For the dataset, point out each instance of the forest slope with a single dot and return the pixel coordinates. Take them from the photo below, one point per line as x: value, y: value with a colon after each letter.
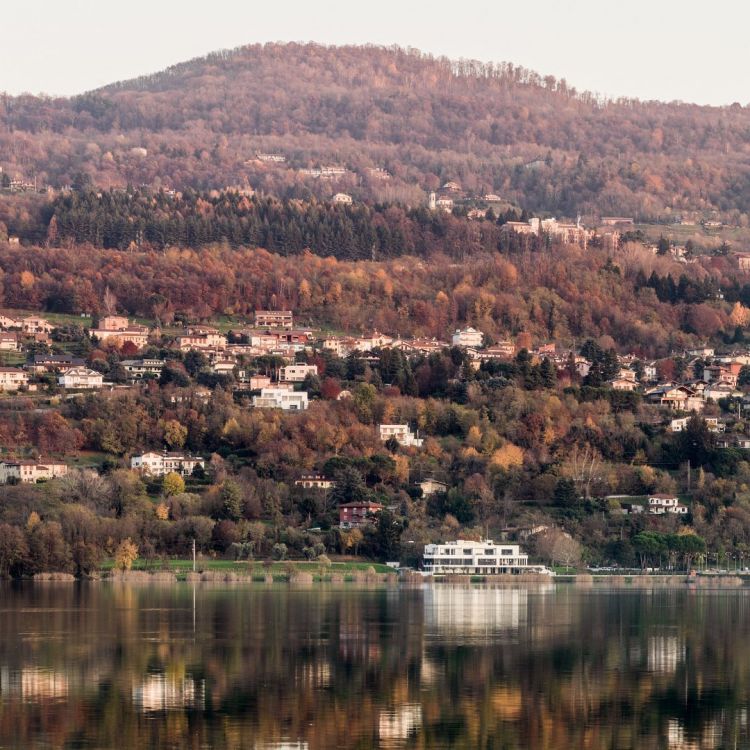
x: 494, y: 128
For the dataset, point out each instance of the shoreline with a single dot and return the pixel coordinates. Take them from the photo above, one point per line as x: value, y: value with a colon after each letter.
x: 305, y: 578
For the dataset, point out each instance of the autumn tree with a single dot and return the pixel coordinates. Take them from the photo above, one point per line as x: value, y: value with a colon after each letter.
x: 125, y: 555
x: 172, y: 484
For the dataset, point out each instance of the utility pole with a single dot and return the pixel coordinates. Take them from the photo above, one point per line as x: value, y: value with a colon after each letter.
x: 193, y: 555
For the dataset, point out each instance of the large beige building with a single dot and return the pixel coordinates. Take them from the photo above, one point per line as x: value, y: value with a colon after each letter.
x: 28, y: 472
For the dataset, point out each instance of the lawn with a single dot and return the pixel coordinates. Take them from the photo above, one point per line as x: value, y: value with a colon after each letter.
x: 253, y: 566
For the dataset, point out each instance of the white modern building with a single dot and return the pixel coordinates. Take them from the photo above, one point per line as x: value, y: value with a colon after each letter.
x: 482, y: 558
x: 281, y: 398
x: 660, y: 504
x: 468, y: 337
x: 401, y: 433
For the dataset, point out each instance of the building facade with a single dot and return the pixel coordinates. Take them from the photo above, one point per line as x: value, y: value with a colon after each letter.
x: 28, y: 472
x: 158, y: 464
x: 281, y: 398
x: 477, y: 558
x: 356, y: 514
x: 401, y: 433
x: 468, y: 337
x: 81, y: 377
x: 274, y: 319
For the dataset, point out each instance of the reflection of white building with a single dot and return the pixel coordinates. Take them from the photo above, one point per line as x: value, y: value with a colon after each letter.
x: 157, y: 692
x: 33, y: 682
x: 665, y: 652
x: 317, y: 674
x: 709, y: 738
x: 283, y: 745
x: 399, y: 724
x: 464, y: 610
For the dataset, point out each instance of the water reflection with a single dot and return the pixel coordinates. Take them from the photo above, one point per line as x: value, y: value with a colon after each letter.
x: 159, y: 692
x: 435, y: 667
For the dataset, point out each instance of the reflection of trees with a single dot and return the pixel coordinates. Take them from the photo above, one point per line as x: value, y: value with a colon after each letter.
x: 354, y: 668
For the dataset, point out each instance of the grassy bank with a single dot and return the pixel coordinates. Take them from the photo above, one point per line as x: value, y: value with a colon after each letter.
x: 252, y: 567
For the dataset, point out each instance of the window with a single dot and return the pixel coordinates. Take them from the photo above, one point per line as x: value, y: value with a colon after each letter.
x: 489, y: 552
x: 507, y: 551
x: 468, y: 551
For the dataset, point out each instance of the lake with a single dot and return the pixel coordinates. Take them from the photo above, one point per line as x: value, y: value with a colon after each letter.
x: 441, y: 666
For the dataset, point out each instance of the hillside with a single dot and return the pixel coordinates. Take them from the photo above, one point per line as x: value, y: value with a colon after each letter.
x: 492, y: 128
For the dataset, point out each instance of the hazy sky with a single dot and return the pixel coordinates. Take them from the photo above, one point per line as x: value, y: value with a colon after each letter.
x: 653, y: 49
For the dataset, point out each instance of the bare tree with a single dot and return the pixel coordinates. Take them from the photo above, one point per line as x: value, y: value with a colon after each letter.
x: 110, y: 302
x: 584, y: 465
x: 557, y: 546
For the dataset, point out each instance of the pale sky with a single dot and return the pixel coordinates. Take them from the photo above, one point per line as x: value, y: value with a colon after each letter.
x: 652, y: 49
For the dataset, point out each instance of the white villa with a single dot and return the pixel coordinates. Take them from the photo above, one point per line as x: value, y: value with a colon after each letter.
x: 658, y: 505
x: 471, y: 558
x: 468, y: 337
x: 80, y: 377
x: 281, y: 398
x: 158, y: 464
x: 401, y: 433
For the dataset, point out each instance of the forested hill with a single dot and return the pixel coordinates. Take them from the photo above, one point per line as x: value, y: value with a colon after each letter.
x: 493, y: 128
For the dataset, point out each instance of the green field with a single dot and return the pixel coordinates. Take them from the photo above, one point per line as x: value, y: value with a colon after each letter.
x: 251, y: 566
x: 737, y: 237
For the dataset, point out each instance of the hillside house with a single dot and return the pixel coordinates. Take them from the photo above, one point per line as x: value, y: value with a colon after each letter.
x: 116, y: 329
x: 9, y: 342
x: 80, y: 378
x: 114, y: 323
x: 296, y: 373
x: 281, y: 398
x: 356, y: 514
x: 716, y: 391
x: 29, y: 472
x: 660, y: 504
x: 432, y: 487
x: 53, y: 363
x: 200, y: 339
x: 33, y: 324
x: 12, y: 378
x: 257, y: 382
x: 468, y: 337
x: 622, y: 384
x: 274, y: 319
x: 680, y: 424
x: 401, y: 433
x: 677, y: 398
x: 315, y: 481
x: 342, y: 199
x: 157, y: 464
x: 137, y: 369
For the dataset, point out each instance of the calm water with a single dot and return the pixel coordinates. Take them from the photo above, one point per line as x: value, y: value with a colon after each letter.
x: 108, y: 666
